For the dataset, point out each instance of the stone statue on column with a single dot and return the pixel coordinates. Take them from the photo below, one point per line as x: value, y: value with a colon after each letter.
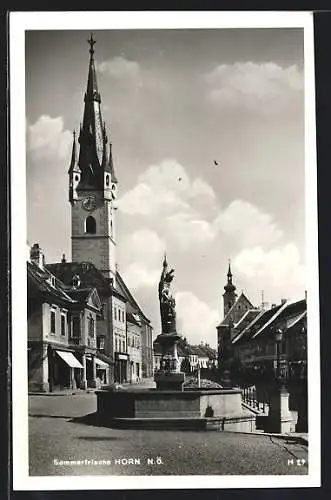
x: 170, y: 376
x: 167, y: 302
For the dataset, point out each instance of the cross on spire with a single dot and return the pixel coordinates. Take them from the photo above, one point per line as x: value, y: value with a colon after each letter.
x: 91, y: 41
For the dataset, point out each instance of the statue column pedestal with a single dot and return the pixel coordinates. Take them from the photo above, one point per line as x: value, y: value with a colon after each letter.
x: 169, y: 377
x: 169, y: 381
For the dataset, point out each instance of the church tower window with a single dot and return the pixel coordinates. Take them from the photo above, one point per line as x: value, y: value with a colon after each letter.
x: 90, y: 225
x: 107, y: 180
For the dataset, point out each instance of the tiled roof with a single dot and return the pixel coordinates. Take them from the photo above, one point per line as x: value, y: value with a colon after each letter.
x: 283, y: 313
x: 205, y: 351
x: 257, y: 323
x: 278, y: 314
x: 132, y: 319
x: 246, y: 319
x: 82, y: 295
x: 293, y: 321
x: 41, y: 279
x: 89, y: 275
x: 123, y: 289
x: 225, y: 320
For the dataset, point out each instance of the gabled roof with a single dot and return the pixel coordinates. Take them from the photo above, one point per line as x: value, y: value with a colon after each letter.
x: 226, y: 318
x: 256, y: 323
x: 123, y: 289
x: 90, y: 277
x: 205, y: 351
x: 42, y: 280
x: 246, y: 319
x: 285, y: 311
x: 131, y: 318
x: 86, y: 296
x: 293, y: 321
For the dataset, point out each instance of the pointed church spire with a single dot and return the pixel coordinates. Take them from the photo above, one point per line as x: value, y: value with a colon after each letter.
x: 93, y: 137
x: 73, y: 163
x: 110, y: 165
x: 92, y: 86
x: 229, y: 287
x: 229, y: 271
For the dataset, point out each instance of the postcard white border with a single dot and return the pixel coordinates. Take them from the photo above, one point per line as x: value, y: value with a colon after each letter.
x: 19, y: 23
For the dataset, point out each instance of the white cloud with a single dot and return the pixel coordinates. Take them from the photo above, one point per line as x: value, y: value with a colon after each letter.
x: 196, y: 320
x: 253, y: 86
x: 279, y: 268
x: 186, y: 230
x: 164, y: 188
x: 138, y: 276
x: 47, y: 137
x: 119, y: 67
x: 248, y: 225
x: 142, y: 254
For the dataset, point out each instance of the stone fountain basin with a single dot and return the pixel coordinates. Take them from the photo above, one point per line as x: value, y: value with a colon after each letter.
x: 168, y: 409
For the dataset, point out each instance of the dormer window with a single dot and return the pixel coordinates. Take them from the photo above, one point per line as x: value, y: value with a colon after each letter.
x: 76, y: 178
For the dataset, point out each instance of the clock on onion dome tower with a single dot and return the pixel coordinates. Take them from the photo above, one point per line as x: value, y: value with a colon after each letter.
x: 93, y: 185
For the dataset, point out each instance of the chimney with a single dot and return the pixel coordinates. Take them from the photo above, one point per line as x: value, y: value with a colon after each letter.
x: 306, y: 295
x: 273, y: 305
x: 282, y: 301
x: 63, y: 261
x: 37, y: 256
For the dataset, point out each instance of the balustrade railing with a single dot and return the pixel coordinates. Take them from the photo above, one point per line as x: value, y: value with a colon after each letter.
x: 249, y: 396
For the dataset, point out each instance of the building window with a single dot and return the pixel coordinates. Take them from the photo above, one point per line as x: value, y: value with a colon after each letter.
x: 63, y: 324
x: 76, y: 178
x: 107, y: 180
x: 101, y: 343
x: 76, y: 327
x: 91, y: 327
x: 52, y: 321
x: 90, y: 225
x: 103, y: 311
x: 115, y: 313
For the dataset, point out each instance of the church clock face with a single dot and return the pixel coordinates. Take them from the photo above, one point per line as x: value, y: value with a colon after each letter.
x: 89, y: 203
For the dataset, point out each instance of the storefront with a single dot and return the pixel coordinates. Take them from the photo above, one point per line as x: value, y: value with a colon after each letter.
x: 65, y: 370
x: 121, y: 367
x: 102, y: 371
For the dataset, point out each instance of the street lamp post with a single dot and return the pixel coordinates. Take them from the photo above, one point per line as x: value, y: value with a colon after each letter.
x: 278, y: 341
x: 280, y: 419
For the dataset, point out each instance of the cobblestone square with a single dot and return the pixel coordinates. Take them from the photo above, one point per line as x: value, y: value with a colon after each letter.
x: 61, y: 446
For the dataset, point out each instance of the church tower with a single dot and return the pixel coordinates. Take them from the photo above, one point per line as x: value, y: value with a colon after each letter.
x: 229, y: 296
x: 93, y: 185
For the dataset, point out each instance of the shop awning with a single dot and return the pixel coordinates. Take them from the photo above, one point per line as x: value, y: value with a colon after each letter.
x: 101, y: 363
x: 70, y: 359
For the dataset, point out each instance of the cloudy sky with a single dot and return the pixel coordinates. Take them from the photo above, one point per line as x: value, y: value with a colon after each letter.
x: 174, y: 101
